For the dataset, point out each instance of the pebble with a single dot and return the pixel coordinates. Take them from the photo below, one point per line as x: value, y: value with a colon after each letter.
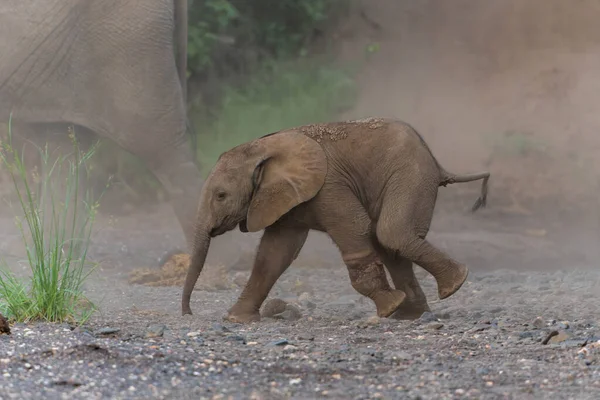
x: 107, y: 331
x: 434, y: 326
x: 281, y: 342
x: 427, y: 316
x: 155, y: 331
x: 538, y: 322
x: 273, y: 307
x: 373, y: 320
x: 291, y: 313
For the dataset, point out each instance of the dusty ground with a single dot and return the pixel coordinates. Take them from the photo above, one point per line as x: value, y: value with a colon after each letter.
x: 520, y: 104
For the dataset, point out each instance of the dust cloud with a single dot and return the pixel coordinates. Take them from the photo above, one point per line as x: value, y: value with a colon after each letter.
x: 508, y: 86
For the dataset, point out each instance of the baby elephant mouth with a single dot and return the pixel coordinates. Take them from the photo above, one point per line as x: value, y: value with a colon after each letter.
x: 243, y: 226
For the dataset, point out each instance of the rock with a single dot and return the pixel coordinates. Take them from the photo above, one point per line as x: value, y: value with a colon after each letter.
x: 281, y: 342
x: 154, y: 331
x: 373, y: 320
x: 434, y: 326
x: 106, y: 331
x: 220, y: 328
x: 236, y: 339
x: 4, y: 327
x: 428, y: 317
x: 291, y: 313
x: 556, y: 337
x: 538, y: 322
x: 402, y: 356
x: 273, y: 307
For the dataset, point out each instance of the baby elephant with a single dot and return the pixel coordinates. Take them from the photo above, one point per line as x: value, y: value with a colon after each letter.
x: 370, y: 184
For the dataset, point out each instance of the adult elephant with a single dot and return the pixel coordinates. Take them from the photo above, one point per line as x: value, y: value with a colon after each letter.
x: 114, y: 67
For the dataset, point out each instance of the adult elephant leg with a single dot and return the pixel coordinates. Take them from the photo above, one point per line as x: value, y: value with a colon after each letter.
x: 181, y: 179
x: 403, y: 275
x: 278, y: 247
x: 403, y: 227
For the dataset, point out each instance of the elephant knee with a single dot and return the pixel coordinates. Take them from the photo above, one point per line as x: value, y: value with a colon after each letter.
x: 367, y: 274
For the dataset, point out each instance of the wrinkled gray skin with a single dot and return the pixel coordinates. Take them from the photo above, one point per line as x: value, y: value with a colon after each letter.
x: 108, y: 66
x: 371, y: 185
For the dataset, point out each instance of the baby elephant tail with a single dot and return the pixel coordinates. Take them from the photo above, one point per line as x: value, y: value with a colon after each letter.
x: 448, y: 179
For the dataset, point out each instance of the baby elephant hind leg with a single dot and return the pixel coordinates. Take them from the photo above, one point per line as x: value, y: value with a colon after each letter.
x: 403, y: 275
x: 352, y: 236
x: 402, y: 229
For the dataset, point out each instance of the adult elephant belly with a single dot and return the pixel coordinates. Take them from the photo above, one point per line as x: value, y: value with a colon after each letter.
x: 108, y: 66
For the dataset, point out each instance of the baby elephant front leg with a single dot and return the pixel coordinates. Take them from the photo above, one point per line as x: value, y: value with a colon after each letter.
x: 367, y: 276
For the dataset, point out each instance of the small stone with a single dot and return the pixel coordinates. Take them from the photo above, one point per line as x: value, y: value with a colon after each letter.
x: 155, y: 331
x: 295, y: 381
x: 556, y: 337
x: 107, y: 331
x: 220, y: 328
x: 373, y: 320
x: 538, y: 322
x: 237, y: 339
x: 459, y: 392
x: 402, y: 356
x: 193, y: 334
x: 273, y: 307
x: 433, y: 326
x: 281, y: 342
x: 427, y: 317
x: 291, y: 313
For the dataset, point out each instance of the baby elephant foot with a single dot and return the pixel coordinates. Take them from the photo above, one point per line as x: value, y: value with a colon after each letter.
x: 241, y: 315
x: 368, y: 278
x: 452, y: 281
x: 388, y: 301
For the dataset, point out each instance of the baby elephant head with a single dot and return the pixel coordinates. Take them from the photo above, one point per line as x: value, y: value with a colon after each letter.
x: 253, y: 185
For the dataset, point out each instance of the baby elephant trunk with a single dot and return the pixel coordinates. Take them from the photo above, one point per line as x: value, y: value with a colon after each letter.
x: 448, y: 179
x: 201, y: 246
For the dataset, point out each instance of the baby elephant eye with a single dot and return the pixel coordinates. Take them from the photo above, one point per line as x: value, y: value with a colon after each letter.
x: 221, y: 195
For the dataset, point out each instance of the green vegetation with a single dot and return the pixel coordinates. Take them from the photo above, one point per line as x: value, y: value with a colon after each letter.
x: 227, y: 36
x: 279, y: 96
x: 56, y: 238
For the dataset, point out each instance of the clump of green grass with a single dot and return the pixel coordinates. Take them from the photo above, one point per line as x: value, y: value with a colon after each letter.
x: 281, y: 95
x: 56, y: 233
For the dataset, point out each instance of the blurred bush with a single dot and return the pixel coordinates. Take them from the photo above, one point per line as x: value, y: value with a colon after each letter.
x: 233, y: 37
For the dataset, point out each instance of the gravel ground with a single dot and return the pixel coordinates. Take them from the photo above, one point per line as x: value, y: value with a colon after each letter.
x: 508, y: 333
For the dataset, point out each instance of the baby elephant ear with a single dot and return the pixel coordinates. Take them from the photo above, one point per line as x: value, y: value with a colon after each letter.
x: 291, y: 170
